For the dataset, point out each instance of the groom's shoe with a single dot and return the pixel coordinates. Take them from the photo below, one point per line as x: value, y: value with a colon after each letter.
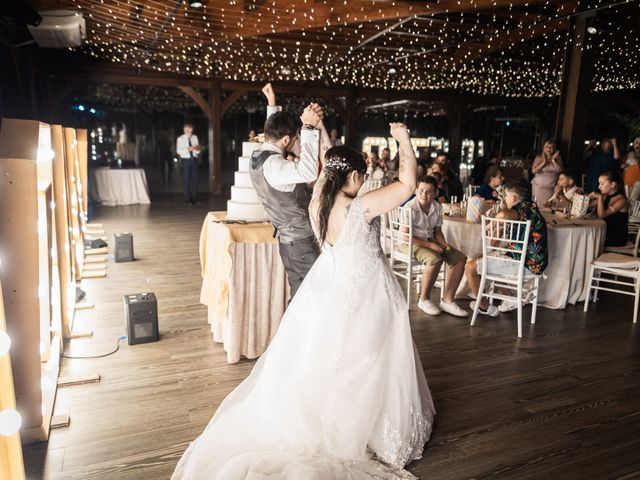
x: 428, y: 307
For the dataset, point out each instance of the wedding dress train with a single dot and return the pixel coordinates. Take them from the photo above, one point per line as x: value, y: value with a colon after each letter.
x: 340, y: 393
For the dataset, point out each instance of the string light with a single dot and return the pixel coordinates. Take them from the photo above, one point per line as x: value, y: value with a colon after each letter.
x: 10, y: 422
x: 511, y: 49
x: 5, y: 343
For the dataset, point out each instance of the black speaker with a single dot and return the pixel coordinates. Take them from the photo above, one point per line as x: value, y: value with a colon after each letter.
x: 141, y: 316
x: 123, y: 247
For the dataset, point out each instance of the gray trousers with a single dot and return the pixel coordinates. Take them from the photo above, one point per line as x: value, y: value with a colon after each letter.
x: 298, y: 258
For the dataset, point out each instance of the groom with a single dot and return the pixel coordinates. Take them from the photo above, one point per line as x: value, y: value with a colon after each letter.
x: 281, y: 184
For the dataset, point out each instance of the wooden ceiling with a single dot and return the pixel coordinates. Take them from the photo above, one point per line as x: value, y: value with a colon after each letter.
x: 482, y: 46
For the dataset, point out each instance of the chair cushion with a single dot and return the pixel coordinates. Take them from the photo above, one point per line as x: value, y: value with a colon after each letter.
x: 617, y: 260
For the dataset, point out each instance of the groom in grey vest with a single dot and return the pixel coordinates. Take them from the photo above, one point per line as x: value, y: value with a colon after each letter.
x: 281, y: 184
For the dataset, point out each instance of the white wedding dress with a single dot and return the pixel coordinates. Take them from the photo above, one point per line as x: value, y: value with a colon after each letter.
x: 340, y: 393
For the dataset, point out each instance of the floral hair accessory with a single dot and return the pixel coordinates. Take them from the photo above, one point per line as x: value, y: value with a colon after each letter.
x: 337, y: 164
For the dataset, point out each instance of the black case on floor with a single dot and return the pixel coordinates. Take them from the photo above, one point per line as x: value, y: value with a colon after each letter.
x: 123, y: 247
x: 141, y: 316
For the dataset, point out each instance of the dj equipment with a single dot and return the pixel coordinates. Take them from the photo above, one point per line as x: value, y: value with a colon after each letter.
x: 141, y: 316
x: 124, y: 247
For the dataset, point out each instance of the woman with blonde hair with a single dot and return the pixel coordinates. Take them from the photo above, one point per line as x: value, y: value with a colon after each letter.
x: 546, y: 168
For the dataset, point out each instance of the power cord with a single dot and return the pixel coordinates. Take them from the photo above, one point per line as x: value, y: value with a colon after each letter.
x: 121, y: 337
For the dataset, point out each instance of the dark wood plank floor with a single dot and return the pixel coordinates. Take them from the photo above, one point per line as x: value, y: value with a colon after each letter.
x: 562, y: 403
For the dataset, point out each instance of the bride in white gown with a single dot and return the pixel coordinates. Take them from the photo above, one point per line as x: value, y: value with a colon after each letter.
x: 340, y: 393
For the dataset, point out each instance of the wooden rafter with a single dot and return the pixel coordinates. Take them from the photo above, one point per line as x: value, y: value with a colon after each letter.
x: 196, y: 97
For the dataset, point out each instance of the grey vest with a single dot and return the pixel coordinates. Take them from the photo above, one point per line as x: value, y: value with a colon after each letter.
x: 288, y: 211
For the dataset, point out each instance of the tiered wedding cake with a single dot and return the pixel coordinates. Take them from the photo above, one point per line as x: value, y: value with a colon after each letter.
x: 244, y: 203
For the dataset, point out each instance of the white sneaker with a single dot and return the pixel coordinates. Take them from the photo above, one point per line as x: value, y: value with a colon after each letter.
x: 492, y: 311
x: 453, y: 309
x: 507, y: 306
x: 429, y: 307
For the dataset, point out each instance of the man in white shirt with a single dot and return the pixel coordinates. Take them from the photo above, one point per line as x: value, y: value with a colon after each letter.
x: 188, y: 150
x: 431, y: 249
x: 281, y: 184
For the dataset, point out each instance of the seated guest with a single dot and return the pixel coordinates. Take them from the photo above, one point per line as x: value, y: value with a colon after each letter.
x: 454, y: 185
x: 565, y: 189
x: 374, y: 170
x: 492, y: 180
x: 441, y: 194
x: 631, y: 179
x: 613, y: 207
x: 431, y: 249
x: 536, y: 256
x: 391, y: 171
x: 633, y: 157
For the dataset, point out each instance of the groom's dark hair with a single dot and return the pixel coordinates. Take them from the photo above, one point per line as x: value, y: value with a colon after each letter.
x: 279, y: 125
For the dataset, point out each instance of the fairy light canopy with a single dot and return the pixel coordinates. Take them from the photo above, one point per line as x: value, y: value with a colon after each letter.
x: 487, y: 47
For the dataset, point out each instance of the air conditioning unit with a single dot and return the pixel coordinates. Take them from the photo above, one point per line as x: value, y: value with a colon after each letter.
x: 59, y: 29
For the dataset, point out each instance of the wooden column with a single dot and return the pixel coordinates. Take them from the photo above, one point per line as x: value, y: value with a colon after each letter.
x: 351, y: 118
x: 577, y: 74
x: 215, y: 132
x: 455, y: 115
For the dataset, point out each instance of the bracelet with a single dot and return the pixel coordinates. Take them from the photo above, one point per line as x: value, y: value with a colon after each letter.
x: 307, y: 126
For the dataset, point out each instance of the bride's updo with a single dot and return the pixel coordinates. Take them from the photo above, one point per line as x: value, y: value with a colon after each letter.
x: 339, y: 162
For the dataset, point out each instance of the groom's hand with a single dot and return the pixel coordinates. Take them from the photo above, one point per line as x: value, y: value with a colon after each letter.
x: 270, y: 94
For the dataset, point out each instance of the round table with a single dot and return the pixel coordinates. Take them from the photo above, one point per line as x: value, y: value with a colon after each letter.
x: 573, y: 244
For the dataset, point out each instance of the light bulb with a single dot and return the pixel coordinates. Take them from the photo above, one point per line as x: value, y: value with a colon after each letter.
x: 10, y: 422
x: 45, y: 155
x: 5, y: 342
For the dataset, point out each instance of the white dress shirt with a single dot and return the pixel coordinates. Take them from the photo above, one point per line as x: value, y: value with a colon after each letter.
x: 424, y: 224
x: 283, y: 174
x: 182, y: 146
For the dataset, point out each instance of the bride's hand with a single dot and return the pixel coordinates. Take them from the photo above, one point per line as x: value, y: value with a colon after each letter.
x: 399, y: 131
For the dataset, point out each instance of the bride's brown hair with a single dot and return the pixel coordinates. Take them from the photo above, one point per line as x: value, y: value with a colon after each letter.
x: 339, y: 162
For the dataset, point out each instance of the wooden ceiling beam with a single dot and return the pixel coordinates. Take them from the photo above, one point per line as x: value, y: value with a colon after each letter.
x: 196, y: 97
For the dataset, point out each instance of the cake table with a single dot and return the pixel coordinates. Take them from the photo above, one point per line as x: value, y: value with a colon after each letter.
x: 244, y: 284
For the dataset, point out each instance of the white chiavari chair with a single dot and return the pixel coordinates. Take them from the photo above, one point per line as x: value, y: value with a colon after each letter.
x: 616, y: 265
x: 507, y: 241
x: 401, y: 254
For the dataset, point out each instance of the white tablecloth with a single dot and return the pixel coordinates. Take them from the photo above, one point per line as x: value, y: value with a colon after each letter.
x: 573, y: 244
x: 119, y: 186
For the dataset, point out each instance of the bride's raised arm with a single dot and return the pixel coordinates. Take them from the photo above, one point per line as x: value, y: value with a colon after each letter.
x: 385, y: 199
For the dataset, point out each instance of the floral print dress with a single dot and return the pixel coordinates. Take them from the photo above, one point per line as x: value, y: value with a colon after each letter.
x: 537, y: 255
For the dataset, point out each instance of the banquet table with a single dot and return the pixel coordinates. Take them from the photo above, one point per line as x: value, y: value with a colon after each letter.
x: 573, y: 244
x: 244, y: 284
x: 119, y: 186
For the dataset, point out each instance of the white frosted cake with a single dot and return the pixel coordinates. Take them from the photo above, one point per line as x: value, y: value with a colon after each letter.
x: 244, y: 203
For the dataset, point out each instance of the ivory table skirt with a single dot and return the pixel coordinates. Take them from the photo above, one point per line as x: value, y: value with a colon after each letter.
x: 573, y: 244
x: 119, y: 186
x: 244, y: 285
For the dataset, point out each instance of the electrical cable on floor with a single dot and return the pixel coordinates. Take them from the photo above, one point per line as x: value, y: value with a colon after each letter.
x: 121, y: 337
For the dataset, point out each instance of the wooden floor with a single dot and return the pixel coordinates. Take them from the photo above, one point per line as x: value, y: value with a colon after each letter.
x: 562, y: 403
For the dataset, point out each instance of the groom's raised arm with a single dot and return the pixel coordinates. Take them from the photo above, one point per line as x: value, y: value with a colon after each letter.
x: 272, y: 107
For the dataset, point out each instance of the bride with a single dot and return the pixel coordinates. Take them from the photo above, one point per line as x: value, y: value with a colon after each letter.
x: 340, y: 393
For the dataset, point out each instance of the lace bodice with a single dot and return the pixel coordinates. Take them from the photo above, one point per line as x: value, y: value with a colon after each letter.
x: 359, y: 241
